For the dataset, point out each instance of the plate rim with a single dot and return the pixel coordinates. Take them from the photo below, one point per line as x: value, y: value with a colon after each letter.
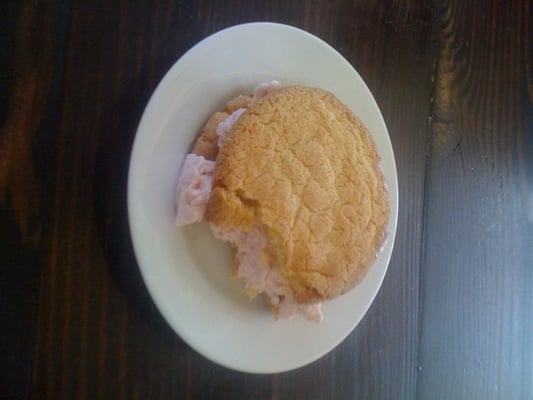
x: 169, y: 75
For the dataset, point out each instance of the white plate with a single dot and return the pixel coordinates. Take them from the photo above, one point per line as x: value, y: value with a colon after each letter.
x: 186, y: 270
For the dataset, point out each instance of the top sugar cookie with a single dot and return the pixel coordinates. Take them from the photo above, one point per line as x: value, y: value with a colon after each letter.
x: 302, y: 167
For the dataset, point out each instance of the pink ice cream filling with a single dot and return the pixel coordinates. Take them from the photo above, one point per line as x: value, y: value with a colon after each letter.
x: 192, y: 194
x: 225, y: 126
x: 265, y: 88
x: 256, y: 270
x: 193, y: 189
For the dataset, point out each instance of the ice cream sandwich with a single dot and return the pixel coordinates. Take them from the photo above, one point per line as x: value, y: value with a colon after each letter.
x: 291, y: 178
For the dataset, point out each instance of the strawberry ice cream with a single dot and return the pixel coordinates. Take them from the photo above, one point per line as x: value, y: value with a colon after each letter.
x: 265, y: 88
x: 255, y: 268
x: 260, y: 277
x: 193, y: 189
x: 225, y: 126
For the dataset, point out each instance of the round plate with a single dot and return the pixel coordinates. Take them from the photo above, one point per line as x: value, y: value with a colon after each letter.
x: 189, y: 273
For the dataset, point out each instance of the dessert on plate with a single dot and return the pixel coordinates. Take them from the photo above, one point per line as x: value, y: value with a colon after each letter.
x: 291, y: 178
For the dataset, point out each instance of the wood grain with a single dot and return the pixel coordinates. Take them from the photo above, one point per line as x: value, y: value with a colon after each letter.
x: 476, y: 331
x: 99, y: 335
x: 30, y: 69
x: 455, y: 85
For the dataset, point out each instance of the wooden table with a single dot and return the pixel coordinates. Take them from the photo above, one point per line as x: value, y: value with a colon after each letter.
x: 454, y: 82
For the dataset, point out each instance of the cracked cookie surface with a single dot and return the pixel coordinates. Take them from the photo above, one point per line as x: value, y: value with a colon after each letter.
x: 302, y: 166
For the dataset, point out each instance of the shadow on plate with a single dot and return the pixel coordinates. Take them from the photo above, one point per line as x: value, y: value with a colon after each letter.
x: 119, y: 125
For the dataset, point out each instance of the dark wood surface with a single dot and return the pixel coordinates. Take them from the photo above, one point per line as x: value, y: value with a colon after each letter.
x: 455, y: 85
